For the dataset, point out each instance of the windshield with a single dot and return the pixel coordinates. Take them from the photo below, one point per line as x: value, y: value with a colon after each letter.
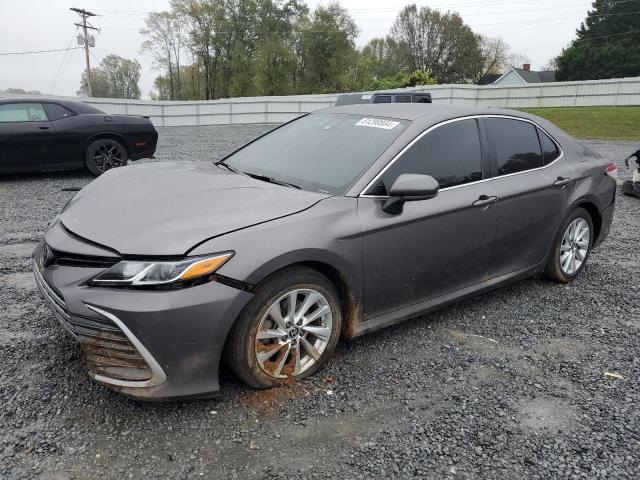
x: 322, y: 152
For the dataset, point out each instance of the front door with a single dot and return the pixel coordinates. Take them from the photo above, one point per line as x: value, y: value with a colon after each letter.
x: 433, y: 246
x: 26, y: 137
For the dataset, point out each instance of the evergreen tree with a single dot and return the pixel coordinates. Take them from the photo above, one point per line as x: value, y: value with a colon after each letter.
x: 607, y: 45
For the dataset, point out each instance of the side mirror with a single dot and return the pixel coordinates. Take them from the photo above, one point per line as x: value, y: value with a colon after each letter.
x: 409, y: 187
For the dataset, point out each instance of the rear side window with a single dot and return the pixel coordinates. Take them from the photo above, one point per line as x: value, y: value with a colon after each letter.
x: 22, y: 112
x: 382, y: 99
x: 451, y: 154
x: 56, y: 112
x: 550, y: 150
x: 421, y: 99
x: 514, y: 144
x: 403, y: 99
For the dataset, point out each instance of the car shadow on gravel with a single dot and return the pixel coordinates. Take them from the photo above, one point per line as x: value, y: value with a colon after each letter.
x: 56, y: 175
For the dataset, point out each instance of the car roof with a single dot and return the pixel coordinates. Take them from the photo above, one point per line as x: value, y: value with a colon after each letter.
x: 423, y: 113
x: 76, y: 106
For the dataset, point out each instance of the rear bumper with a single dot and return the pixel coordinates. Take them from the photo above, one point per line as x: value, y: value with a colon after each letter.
x: 144, y: 343
x: 146, y: 148
x: 148, y: 153
x: 607, y: 219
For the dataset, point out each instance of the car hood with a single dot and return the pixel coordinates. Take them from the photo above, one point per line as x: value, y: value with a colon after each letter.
x: 168, y: 208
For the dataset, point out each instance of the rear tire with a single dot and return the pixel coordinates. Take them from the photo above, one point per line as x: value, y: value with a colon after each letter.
x: 268, y: 346
x: 105, y: 154
x: 571, y: 247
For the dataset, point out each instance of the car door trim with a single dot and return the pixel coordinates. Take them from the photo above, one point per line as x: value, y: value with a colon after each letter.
x: 446, y: 122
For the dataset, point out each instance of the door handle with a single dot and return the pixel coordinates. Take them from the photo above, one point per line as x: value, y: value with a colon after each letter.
x: 44, y: 127
x: 561, y: 182
x: 484, y: 200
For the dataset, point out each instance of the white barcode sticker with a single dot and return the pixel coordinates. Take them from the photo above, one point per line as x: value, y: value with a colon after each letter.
x: 366, y: 96
x: 377, y: 123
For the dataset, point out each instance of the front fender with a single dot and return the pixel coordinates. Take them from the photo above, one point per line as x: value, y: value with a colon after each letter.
x: 329, y: 233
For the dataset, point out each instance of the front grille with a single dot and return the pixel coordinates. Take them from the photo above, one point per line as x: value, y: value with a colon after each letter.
x: 108, y: 351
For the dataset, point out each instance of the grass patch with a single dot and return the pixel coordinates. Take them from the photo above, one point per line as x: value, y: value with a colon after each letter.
x: 606, y: 123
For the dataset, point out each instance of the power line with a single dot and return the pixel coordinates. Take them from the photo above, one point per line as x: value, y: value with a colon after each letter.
x: 40, y: 51
x: 586, y: 39
x: 64, y: 68
x: 54, y: 82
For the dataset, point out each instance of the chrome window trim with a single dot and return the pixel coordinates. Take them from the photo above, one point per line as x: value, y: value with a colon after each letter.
x: 446, y: 122
x: 158, y: 374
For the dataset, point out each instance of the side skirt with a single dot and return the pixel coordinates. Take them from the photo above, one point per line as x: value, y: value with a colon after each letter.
x: 456, y: 296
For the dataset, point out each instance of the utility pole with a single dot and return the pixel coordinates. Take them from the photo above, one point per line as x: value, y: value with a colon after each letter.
x: 84, y: 14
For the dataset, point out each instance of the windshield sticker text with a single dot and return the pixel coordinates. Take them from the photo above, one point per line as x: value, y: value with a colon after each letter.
x: 377, y: 123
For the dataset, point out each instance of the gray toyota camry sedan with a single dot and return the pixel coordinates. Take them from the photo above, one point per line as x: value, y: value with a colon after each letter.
x: 340, y: 222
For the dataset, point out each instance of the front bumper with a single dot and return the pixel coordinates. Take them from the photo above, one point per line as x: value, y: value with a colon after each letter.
x: 148, y: 344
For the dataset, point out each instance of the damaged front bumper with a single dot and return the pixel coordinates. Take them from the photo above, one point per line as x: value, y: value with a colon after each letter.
x: 148, y: 344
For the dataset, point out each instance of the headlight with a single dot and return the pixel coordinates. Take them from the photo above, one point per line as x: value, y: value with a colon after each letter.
x: 138, y: 273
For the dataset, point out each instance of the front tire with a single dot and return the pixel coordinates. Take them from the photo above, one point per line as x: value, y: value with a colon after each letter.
x: 289, y: 330
x: 105, y: 154
x: 571, y: 247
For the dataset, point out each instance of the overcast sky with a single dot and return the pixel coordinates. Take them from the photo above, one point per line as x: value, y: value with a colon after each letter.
x: 539, y: 29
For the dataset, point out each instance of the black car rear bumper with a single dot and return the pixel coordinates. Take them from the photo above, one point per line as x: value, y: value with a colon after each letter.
x: 146, y: 344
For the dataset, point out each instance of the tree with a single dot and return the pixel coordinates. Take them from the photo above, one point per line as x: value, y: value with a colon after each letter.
x: 429, y: 40
x: 361, y: 76
x: 385, y: 56
x: 328, y: 48
x: 116, y: 77
x: 550, y: 66
x: 276, y: 47
x: 22, y: 91
x: 607, y: 43
x: 166, y: 36
x: 495, y: 54
x: 516, y: 60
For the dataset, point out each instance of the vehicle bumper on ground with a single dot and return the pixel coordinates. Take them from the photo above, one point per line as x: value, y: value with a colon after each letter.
x: 148, y: 344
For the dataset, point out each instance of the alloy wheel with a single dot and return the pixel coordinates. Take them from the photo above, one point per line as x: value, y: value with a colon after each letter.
x: 293, y: 333
x: 574, y: 246
x: 108, y: 155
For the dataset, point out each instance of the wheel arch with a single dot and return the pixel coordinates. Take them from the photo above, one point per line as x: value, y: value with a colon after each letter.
x: 347, y: 288
x: 107, y: 135
x: 594, y: 212
x: 350, y: 306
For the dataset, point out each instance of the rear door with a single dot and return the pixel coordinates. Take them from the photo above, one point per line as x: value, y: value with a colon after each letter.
x: 535, y: 185
x: 437, y: 245
x: 26, y: 137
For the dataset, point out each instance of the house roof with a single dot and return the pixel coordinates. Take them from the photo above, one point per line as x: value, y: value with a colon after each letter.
x: 489, y: 78
x: 531, y: 76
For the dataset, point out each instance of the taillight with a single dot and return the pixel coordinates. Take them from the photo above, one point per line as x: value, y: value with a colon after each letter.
x: 612, y: 171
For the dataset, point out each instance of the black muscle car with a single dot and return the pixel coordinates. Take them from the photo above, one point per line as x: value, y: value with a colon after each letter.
x: 51, y: 134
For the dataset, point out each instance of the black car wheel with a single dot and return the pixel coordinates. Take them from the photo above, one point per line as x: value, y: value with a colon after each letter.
x: 571, y: 247
x: 289, y: 330
x: 105, y: 154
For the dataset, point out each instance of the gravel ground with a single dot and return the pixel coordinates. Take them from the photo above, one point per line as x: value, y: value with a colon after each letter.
x: 510, y: 384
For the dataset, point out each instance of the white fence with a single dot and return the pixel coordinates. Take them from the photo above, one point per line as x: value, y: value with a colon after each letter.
x: 217, y: 112
x: 624, y: 91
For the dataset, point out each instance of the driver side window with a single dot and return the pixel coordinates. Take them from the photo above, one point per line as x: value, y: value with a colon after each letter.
x: 451, y: 154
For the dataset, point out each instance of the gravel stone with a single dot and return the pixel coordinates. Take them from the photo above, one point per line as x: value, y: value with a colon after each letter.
x: 507, y: 385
